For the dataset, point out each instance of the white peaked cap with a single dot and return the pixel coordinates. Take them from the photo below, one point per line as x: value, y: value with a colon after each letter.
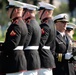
x: 71, y: 26
x: 15, y: 3
x: 61, y: 17
x: 46, y: 5
x: 30, y: 6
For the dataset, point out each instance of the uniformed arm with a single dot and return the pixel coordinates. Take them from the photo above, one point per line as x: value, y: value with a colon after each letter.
x: 64, y: 56
x: 29, y: 37
x: 60, y: 51
x: 12, y: 38
x: 53, y: 47
x: 44, y: 35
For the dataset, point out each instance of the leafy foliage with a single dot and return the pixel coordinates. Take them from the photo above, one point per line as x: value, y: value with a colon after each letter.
x: 74, y: 35
x: 3, y: 15
x: 63, y: 8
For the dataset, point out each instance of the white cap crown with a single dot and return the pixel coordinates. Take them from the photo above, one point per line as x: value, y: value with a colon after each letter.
x: 46, y: 5
x: 15, y: 3
x: 61, y: 17
x: 71, y: 26
x: 30, y: 7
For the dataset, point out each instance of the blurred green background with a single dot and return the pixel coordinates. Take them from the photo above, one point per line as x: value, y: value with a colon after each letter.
x: 62, y: 8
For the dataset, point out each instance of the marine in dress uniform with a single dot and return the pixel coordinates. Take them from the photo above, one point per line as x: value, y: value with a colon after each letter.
x: 63, y: 51
x: 33, y: 39
x: 47, y: 42
x: 70, y: 32
x: 12, y: 58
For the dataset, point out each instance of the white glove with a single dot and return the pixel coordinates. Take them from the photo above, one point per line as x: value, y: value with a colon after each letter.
x: 74, y: 57
x: 68, y: 56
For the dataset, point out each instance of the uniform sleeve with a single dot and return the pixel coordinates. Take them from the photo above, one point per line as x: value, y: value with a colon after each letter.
x: 44, y: 35
x: 29, y: 37
x: 13, y: 36
x: 59, y: 54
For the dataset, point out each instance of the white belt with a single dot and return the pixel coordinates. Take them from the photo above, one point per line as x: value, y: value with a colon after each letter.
x: 19, y: 48
x: 32, y: 48
x: 46, y: 47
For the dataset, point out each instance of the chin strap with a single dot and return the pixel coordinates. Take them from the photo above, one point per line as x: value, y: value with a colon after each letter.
x: 42, y: 13
x: 24, y: 13
x: 12, y: 12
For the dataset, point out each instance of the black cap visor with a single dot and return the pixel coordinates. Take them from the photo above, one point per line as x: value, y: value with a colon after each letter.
x: 9, y: 6
x: 41, y: 8
x: 61, y: 19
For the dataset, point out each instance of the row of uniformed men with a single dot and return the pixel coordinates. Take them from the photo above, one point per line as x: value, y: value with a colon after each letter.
x: 29, y: 49
x: 16, y: 59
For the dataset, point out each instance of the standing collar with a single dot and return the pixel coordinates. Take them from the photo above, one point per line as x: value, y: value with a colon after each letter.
x: 62, y: 33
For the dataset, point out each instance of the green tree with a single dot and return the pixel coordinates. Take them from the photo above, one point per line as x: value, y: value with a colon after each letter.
x: 63, y: 8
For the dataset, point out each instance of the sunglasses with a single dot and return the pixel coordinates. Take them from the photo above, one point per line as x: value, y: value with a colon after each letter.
x: 63, y: 21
